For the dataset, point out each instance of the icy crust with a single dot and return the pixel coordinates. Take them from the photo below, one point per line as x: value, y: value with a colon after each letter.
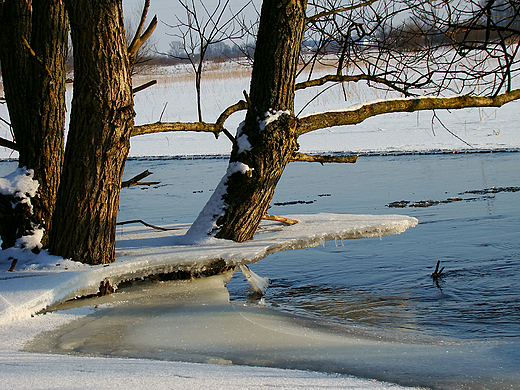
x: 44, y: 280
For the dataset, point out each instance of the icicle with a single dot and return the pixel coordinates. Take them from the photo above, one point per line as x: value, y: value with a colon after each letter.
x: 258, y: 283
x: 342, y: 243
x: 336, y: 241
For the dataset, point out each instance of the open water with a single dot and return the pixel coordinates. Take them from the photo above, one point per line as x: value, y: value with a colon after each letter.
x: 468, y: 207
x: 382, y: 285
x: 379, y: 282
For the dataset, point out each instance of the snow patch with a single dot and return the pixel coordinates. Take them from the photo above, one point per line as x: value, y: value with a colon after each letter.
x: 20, y: 184
x: 269, y: 117
x: 243, y: 144
x: 240, y: 167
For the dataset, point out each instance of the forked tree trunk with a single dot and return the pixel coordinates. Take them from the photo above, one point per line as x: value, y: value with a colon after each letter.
x: 272, y: 90
x: 98, y: 141
x: 33, y: 48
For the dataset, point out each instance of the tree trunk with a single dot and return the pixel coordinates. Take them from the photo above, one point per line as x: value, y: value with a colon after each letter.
x: 43, y: 150
x: 272, y: 144
x: 84, y: 221
x: 33, y: 51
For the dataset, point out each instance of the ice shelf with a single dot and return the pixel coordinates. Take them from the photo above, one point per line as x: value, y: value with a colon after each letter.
x: 40, y: 281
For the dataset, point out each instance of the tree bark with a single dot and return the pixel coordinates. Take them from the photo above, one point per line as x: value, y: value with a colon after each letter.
x: 272, y: 145
x: 98, y: 142
x: 33, y: 51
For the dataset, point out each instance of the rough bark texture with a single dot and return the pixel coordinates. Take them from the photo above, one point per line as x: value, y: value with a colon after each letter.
x: 101, y: 120
x: 33, y: 54
x: 272, y: 89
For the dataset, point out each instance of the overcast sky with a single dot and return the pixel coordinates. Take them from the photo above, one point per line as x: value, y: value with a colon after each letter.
x: 166, y: 11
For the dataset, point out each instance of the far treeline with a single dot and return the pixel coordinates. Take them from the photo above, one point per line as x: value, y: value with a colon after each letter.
x: 472, y: 62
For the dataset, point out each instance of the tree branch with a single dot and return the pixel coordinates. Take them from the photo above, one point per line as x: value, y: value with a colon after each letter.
x: 323, y: 159
x: 343, y: 78
x: 8, y: 144
x: 277, y: 218
x: 134, y: 180
x: 161, y: 127
x: 139, y: 39
x: 144, y: 86
x: 241, y: 105
x: 311, y: 19
x: 360, y: 113
x: 216, y: 128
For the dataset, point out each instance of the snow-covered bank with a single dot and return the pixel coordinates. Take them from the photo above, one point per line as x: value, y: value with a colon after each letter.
x: 40, y: 281
x: 23, y: 370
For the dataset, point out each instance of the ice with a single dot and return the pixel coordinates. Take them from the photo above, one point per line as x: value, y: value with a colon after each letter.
x: 258, y: 283
x: 42, y: 280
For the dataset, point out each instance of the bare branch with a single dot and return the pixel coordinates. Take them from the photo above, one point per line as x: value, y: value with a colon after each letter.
x: 134, y: 180
x: 323, y: 159
x: 342, y: 78
x: 8, y: 144
x: 287, y: 221
x: 144, y: 86
x: 241, y: 105
x: 336, y: 11
x: 145, y: 224
x: 161, y: 127
x: 354, y: 116
x: 139, y: 39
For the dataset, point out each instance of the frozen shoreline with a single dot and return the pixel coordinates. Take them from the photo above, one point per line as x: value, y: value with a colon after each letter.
x: 48, y: 279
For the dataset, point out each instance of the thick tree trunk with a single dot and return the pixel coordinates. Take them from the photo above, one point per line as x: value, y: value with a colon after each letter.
x: 97, y: 145
x: 272, y: 144
x: 43, y: 150
x: 33, y: 52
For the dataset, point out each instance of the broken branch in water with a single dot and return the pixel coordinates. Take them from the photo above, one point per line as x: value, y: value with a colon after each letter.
x: 437, y: 274
x: 135, y: 180
x: 323, y: 159
x: 287, y: 221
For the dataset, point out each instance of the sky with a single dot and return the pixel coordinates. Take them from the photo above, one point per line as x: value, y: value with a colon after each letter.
x: 168, y: 10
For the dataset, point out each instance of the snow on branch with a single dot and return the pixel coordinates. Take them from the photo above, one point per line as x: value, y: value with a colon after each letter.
x: 359, y: 113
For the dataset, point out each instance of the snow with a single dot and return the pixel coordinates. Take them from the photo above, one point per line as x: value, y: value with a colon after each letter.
x: 41, y: 280
x: 270, y: 117
x: 20, y: 184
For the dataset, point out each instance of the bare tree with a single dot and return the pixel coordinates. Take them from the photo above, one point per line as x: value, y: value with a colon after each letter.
x: 358, y: 42
x: 202, y: 28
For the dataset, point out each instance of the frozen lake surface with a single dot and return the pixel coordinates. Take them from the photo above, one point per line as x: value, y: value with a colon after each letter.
x: 368, y: 307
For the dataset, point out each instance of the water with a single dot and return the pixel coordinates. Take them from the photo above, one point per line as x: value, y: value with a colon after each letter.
x: 469, y: 317
x: 381, y: 283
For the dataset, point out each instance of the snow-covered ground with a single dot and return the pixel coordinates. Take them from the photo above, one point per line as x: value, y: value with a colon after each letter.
x: 41, y: 281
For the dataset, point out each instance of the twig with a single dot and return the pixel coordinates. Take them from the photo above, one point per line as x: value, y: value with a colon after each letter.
x: 164, y: 108
x: 437, y: 274
x: 145, y: 224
